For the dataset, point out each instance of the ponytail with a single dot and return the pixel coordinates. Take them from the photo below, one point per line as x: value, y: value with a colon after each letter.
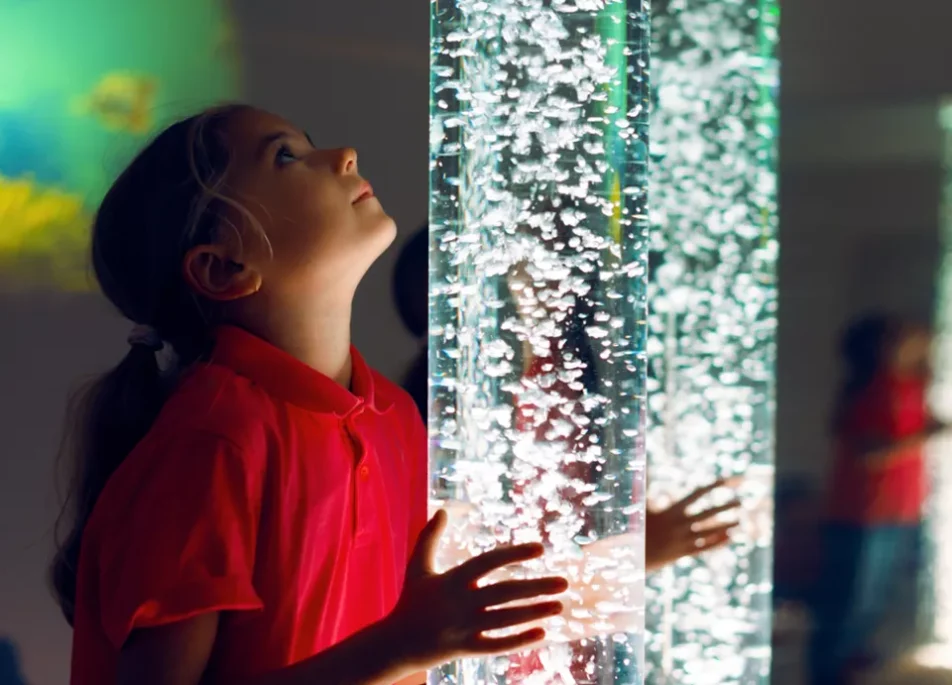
x: 106, y: 420
x: 168, y: 200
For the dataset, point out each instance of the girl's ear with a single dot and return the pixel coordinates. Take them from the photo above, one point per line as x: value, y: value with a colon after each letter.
x: 214, y: 273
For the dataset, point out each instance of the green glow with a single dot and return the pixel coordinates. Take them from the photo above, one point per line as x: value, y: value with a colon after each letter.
x: 160, y: 60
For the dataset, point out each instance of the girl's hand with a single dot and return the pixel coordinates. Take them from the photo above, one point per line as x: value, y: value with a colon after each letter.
x: 672, y: 533
x: 441, y: 617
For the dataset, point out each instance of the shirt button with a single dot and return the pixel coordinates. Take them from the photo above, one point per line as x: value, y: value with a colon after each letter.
x: 364, y: 472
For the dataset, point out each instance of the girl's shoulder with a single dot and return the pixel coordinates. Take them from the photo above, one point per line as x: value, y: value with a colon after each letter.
x: 214, y: 400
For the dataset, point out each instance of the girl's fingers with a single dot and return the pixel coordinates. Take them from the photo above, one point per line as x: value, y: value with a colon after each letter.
x: 698, y: 543
x: 486, y: 563
x: 513, y: 590
x: 713, y: 542
x: 498, y: 619
x: 713, y: 511
x: 511, y: 643
x: 710, y: 539
x: 698, y: 494
x: 717, y: 531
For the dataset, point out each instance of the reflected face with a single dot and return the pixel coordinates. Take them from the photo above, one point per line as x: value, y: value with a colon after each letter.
x: 324, y: 225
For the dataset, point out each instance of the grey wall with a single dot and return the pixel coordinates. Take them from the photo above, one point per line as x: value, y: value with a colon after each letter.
x: 355, y: 73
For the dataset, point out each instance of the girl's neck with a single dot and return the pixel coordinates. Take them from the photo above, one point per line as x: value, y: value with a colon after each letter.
x: 319, y: 339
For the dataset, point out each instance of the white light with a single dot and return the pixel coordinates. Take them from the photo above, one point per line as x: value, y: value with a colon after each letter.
x: 713, y: 325
x: 938, y: 519
x: 935, y: 656
x: 538, y: 247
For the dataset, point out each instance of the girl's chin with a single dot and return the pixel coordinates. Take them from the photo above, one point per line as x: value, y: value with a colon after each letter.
x: 386, y: 228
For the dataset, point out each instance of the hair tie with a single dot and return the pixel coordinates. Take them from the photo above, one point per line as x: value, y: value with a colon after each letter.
x: 145, y: 336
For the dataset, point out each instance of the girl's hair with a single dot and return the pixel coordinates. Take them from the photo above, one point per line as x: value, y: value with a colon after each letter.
x: 169, y: 199
x: 864, y: 350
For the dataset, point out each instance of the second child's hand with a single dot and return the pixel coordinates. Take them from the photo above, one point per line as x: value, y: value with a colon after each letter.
x: 673, y: 533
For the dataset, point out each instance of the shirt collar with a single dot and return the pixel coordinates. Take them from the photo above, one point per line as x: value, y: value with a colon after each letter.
x: 288, y: 378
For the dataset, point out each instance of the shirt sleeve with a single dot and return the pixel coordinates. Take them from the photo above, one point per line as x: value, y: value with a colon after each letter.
x: 177, y: 536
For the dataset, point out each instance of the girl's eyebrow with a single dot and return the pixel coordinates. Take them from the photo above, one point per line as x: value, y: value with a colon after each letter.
x: 271, y: 138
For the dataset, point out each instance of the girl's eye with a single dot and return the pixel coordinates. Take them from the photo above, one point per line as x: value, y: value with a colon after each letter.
x: 285, y: 156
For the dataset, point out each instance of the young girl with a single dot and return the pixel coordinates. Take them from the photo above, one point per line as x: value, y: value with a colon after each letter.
x: 878, y: 487
x: 250, y: 506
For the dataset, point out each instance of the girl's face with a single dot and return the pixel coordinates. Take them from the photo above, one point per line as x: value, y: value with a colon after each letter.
x: 323, y: 225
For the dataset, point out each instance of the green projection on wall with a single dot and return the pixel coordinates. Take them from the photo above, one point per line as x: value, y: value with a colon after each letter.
x: 83, y: 84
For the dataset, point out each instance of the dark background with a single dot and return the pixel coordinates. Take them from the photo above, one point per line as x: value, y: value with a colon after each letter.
x: 861, y: 80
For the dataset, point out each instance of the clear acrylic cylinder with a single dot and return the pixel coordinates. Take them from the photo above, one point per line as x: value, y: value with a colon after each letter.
x: 713, y: 322
x: 538, y: 255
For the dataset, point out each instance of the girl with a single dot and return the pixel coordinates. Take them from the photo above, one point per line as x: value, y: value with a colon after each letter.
x: 250, y: 508
x: 878, y: 486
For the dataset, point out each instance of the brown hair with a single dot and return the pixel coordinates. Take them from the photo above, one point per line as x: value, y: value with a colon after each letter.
x: 169, y: 199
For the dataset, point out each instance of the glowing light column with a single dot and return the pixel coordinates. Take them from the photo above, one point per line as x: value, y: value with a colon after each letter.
x: 712, y: 325
x: 937, y: 581
x: 538, y: 245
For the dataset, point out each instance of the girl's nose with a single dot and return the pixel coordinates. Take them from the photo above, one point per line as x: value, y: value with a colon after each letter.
x: 345, y: 161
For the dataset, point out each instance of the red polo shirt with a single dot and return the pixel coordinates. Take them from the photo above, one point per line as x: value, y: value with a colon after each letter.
x: 890, y: 409
x: 264, y: 490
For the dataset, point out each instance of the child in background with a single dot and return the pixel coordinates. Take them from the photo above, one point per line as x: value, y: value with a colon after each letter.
x: 250, y: 508
x: 878, y: 487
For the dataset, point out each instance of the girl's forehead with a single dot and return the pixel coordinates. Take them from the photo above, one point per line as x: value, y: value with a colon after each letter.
x: 253, y: 118
x: 251, y: 125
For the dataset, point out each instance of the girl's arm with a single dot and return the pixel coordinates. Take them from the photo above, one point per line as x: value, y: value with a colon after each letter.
x: 178, y: 654
x: 439, y: 617
x: 415, y: 679
x: 879, y: 455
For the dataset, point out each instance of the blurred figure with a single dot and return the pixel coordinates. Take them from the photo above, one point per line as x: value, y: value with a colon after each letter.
x: 10, y: 673
x: 796, y: 542
x: 881, y: 424
x: 410, y: 284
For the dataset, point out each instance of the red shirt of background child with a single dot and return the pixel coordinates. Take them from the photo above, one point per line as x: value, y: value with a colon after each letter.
x: 891, y: 409
x: 881, y: 427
